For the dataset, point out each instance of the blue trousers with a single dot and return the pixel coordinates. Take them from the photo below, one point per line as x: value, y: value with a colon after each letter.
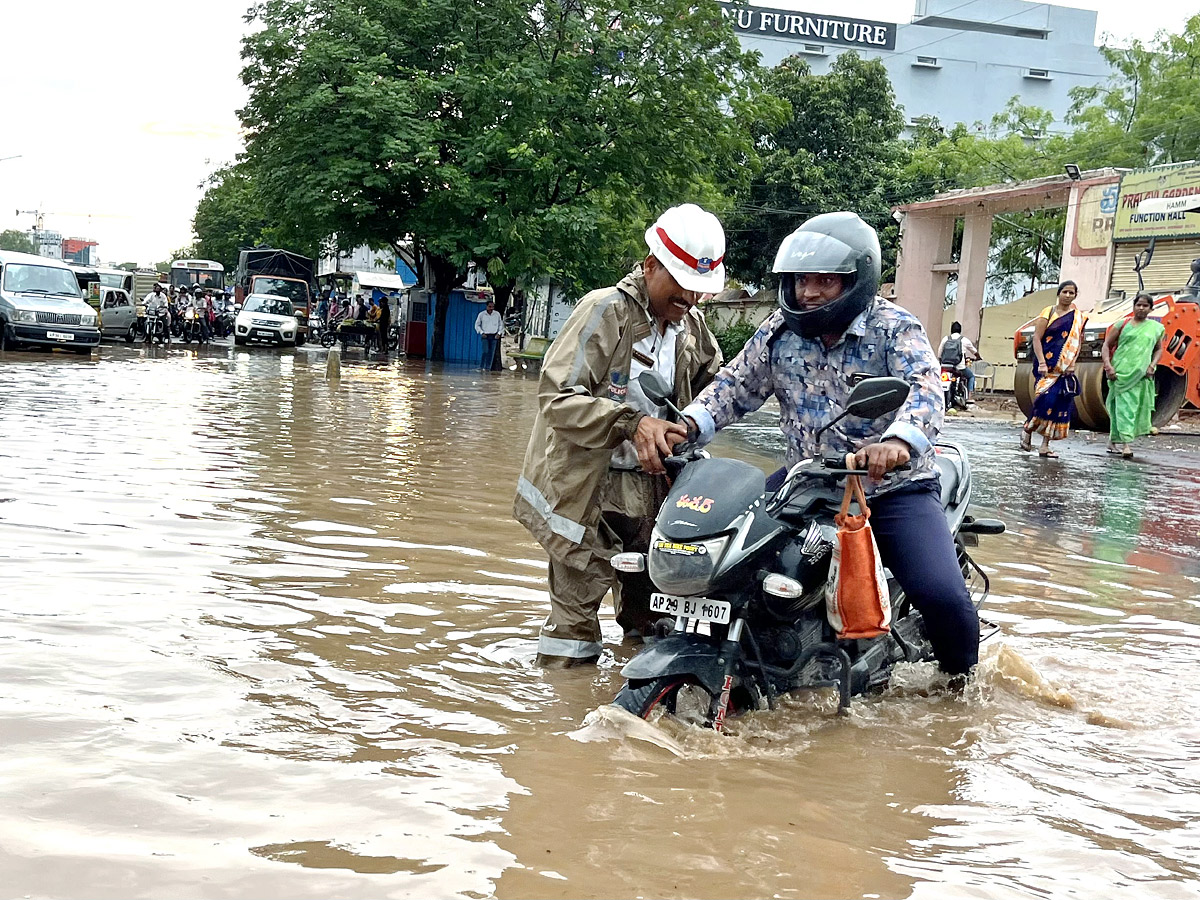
x: 916, y: 545
x: 491, y: 343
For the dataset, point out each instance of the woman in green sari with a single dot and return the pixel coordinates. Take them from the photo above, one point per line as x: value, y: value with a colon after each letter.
x: 1130, y: 356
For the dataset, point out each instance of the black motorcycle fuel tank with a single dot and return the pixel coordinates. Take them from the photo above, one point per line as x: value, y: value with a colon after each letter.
x: 707, y: 496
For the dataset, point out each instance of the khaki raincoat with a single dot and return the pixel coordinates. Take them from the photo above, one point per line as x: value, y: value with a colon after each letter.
x: 582, y: 415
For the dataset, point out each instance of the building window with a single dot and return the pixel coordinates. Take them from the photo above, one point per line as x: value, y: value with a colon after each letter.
x: 814, y: 49
x: 927, y: 62
x: 1038, y: 74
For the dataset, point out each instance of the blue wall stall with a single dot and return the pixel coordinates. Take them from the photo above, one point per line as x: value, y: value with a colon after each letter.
x: 462, y: 345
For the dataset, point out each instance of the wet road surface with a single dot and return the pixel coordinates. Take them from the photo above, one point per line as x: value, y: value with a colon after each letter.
x: 263, y: 635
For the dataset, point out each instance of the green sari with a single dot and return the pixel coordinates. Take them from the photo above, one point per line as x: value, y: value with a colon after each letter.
x: 1131, y: 397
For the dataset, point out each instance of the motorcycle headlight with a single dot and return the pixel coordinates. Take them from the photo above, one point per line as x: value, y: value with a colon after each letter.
x: 88, y: 320
x: 24, y: 315
x: 685, y: 567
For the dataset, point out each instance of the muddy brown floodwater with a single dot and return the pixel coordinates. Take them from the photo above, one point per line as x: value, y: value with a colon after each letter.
x: 266, y: 636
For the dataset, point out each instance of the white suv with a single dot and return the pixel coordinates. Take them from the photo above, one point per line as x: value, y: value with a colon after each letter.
x: 40, y: 303
x: 266, y: 317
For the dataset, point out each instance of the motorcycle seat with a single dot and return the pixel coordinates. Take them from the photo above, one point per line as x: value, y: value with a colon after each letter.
x: 949, y: 475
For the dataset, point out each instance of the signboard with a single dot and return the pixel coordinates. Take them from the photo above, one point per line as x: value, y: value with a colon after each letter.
x: 1137, y: 220
x: 810, y: 27
x: 1094, y: 219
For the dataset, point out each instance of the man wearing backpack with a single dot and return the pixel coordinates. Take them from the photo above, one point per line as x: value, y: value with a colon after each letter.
x: 958, y: 351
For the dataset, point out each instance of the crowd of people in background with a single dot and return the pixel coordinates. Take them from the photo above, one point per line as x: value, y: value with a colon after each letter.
x: 207, y: 305
x: 370, y: 319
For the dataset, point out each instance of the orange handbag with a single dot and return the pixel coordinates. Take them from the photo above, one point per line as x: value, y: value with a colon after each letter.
x: 857, y: 601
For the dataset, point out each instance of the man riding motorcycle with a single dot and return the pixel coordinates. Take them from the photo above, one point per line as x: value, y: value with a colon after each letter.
x: 832, y: 330
x: 957, y: 352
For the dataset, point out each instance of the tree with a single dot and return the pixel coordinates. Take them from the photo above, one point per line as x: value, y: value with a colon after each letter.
x: 534, y: 137
x: 838, y: 149
x: 1148, y: 112
x: 18, y: 241
x: 232, y: 216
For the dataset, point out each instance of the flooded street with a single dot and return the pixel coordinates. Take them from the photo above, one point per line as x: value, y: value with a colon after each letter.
x: 265, y: 635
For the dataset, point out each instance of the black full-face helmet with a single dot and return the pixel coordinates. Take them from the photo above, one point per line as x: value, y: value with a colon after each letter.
x: 838, y: 242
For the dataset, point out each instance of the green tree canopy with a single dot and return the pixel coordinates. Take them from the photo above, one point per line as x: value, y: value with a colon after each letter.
x: 232, y: 216
x: 19, y: 241
x: 838, y: 149
x: 535, y: 137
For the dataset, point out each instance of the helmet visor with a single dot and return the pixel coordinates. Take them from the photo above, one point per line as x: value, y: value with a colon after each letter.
x: 811, y: 251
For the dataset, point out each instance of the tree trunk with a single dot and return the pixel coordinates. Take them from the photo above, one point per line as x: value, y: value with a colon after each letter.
x: 503, y: 294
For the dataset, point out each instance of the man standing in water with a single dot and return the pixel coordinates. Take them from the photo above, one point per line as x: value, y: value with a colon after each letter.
x: 593, y: 477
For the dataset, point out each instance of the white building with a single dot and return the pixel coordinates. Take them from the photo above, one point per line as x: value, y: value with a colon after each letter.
x: 957, y: 60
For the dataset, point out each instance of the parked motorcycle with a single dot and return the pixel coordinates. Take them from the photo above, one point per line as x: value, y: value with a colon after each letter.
x: 954, y: 386
x: 743, y: 574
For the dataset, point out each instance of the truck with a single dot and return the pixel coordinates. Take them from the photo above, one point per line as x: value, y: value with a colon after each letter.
x: 267, y: 270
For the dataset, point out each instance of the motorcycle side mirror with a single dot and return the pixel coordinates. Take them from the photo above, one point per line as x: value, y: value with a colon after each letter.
x: 875, y: 397
x: 870, y: 399
x: 655, y: 387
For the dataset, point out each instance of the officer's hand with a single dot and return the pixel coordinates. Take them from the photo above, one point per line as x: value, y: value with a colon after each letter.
x: 654, y: 439
x: 879, y: 459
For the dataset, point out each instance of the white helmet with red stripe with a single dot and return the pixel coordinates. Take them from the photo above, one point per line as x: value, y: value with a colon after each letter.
x: 690, y: 243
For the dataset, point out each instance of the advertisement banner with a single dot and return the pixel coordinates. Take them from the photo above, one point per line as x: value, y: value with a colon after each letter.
x: 1094, y: 219
x: 811, y: 27
x: 1144, y: 207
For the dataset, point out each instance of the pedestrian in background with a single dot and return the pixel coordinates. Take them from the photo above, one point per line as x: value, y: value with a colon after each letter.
x: 1057, y: 337
x: 1130, y: 357
x: 488, y: 325
x: 384, y: 324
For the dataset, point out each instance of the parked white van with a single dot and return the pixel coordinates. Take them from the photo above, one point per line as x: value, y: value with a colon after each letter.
x: 40, y: 303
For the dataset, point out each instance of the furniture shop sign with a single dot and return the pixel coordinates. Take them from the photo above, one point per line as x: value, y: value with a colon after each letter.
x: 782, y: 23
x: 1162, y: 202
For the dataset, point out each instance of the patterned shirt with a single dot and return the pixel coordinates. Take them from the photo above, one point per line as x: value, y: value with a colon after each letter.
x: 813, y: 384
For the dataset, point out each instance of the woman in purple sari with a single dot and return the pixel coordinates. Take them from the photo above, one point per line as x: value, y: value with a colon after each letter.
x: 1057, y: 337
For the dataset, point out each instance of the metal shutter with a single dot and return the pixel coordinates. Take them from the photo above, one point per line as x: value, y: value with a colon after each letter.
x: 1169, y: 270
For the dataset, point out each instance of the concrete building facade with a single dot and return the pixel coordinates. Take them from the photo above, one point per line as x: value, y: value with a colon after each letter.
x: 957, y: 61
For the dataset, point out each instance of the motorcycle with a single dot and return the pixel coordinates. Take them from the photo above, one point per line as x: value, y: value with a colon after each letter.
x: 954, y: 386
x: 192, y: 328
x: 158, y: 327
x: 743, y: 575
x: 223, y: 324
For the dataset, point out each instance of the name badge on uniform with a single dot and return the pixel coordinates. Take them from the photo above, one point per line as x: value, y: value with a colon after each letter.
x: 644, y: 359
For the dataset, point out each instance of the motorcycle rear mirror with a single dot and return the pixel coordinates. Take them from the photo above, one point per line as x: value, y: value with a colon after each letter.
x: 875, y: 397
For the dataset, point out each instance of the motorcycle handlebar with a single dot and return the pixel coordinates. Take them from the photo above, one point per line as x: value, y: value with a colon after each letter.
x: 835, y: 465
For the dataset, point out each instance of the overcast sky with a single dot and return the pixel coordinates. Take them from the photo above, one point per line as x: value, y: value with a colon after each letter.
x: 118, y: 110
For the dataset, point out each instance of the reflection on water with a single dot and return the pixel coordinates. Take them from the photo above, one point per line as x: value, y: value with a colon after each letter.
x: 269, y: 635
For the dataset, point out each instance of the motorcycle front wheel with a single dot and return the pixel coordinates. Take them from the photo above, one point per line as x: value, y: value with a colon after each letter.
x: 328, y: 339
x: 679, y: 696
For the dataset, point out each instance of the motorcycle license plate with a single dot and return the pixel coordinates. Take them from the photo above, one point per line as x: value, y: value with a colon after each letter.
x: 59, y: 336
x: 691, y: 608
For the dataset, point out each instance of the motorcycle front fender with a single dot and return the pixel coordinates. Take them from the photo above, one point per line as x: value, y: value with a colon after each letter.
x: 678, y: 655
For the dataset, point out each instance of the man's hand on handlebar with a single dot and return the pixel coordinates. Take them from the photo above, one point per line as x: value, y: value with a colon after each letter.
x: 879, y: 459
x: 654, y: 439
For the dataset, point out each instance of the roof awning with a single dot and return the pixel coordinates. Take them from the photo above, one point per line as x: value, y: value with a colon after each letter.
x: 382, y: 280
